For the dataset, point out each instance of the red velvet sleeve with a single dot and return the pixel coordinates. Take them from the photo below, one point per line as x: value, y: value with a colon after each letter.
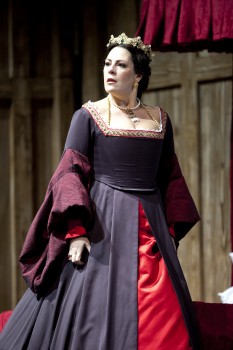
x: 45, y: 247
x: 67, y: 198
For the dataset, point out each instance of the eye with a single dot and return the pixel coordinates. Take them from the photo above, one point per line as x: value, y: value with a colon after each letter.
x: 107, y: 64
x: 122, y: 65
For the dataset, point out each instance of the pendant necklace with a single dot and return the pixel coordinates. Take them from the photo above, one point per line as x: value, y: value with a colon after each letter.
x: 130, y: 113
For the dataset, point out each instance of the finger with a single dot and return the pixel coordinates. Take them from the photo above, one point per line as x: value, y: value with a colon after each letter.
x: 75, y: 257
x: 72, y: 252
x: 75, y: 252
x: 78, y: 256
x: 78, y: 260
x: 72, y: 255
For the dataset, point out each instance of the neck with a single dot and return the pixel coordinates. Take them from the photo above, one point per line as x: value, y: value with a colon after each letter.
x: 128, y: 102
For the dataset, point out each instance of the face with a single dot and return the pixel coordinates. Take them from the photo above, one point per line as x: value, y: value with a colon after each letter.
x: 119, y: 74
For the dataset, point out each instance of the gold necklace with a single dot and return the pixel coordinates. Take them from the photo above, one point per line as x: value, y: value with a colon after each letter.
x: 150, y: 115
x: 131, y: 114
x: 109, y: 112
x: 130, y: 111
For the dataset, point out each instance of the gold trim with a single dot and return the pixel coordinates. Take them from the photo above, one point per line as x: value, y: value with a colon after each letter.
x: 121, y: 132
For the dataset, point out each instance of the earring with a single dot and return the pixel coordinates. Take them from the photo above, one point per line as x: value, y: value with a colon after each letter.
x: 135, y: 85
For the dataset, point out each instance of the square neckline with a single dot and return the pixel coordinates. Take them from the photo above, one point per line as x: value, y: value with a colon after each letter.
x: 96, y: 115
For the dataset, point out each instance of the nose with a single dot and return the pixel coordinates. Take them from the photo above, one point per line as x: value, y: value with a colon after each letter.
x: 111, y: 69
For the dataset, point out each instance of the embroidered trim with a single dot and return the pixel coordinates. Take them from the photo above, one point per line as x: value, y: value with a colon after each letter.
x: 122, y: 132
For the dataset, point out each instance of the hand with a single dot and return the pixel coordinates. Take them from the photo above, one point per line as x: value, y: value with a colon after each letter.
x: 77, y: 246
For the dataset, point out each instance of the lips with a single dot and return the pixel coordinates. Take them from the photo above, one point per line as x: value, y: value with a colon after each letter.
x: 110, y: 80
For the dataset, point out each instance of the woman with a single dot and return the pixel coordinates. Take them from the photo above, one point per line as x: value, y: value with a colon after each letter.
x: 99, y: 253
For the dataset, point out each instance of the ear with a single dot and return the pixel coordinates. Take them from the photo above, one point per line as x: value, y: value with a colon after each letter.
x: 138, y: 78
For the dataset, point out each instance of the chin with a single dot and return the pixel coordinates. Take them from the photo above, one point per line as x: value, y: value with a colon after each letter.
x: 109, y: 89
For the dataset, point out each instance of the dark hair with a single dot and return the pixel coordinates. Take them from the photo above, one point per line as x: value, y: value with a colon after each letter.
x: 141, y: 64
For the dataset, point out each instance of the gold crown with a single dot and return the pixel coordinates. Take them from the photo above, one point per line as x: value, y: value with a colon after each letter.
x: 136, y: 42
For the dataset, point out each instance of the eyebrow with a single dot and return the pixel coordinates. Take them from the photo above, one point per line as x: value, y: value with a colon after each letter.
x: 108, y: 59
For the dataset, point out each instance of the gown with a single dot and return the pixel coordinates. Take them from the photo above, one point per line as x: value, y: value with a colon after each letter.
x: 126, y: 187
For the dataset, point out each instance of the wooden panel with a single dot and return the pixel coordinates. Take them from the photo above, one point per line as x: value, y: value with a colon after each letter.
x: 5, y: 89
x: 93, y: 17
x: 127, y: 17
x: 41, y: 88
x: 215, y: 127
x: 21, y: 171
x: 36, y: 75
x: 40, y: 31
x: 5, y: 238
x: 201, y: 120
x: 4, y: 48
x: 165, y: 70
x: 21, y: 39
x: 41, y: 149
x: 213, y: 66
x: 190, y: 249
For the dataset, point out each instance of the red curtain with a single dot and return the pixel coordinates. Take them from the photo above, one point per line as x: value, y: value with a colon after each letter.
x: 187, y: 25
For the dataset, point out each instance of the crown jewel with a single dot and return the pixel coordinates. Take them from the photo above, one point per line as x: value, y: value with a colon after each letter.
x: 136, y: 42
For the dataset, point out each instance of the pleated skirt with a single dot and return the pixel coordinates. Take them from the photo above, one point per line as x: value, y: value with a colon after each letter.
x: 123, y: 299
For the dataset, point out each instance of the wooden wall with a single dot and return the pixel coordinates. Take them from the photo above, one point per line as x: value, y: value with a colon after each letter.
x: 36, y: 102
x: 196, y: 90
x: 50, y: 63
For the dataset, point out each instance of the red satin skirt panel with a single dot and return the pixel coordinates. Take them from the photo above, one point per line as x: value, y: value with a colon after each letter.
x: 160, y: 321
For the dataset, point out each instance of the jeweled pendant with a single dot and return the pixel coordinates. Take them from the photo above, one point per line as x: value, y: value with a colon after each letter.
x: 135, y: 120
